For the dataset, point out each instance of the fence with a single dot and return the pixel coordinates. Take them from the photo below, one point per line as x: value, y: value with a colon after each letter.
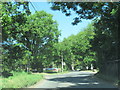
x: 111, y: 69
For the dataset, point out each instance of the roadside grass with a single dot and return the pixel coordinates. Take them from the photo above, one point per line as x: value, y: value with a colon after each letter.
x: 0, y: 82
x: 20, y: 80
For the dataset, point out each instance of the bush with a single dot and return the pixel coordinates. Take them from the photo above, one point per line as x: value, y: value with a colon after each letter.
x: 6, y: 74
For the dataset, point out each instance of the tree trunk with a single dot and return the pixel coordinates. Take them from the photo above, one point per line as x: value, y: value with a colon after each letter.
x: 72, y: 66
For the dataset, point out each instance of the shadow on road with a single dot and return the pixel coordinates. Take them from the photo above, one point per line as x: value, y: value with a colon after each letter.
x: 80, y: 81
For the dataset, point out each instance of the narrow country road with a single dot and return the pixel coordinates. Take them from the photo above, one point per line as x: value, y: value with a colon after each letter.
x: 76, y: 79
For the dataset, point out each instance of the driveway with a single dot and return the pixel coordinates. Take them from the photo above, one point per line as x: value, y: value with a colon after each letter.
x: 75, y: 79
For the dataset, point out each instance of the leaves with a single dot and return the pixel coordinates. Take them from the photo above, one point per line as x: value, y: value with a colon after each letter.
x: 76, y: 48
x: 28, y: 40
x: 85, y: 10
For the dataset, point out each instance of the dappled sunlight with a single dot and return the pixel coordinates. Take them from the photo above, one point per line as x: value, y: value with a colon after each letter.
x: 88, y: 83
x: 38, y: 43
x: 77, y: 80
x: 74, y: 80
x: 95, y: 83
x: 67, y: 84
x: 80, y: 76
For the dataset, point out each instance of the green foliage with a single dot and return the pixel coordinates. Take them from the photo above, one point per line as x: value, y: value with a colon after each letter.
x: 12, y: 17
x: 85, y: 10
x: 27, y: 80
x: 31, y: 40
x: 76, y: 48
x: 106, y: 42
x: 27, y: 39
x: 40, y: 33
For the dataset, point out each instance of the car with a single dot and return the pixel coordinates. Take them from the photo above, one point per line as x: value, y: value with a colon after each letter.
x: 52, y: 70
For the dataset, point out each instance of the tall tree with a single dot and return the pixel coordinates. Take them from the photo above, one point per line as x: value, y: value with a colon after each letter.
x: 40, y: 33
x: 77, y: 48
x: 106, y: 16
x: 12, y: 16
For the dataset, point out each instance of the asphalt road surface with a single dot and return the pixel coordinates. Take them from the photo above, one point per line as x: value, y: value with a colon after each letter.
x: 75, y: 79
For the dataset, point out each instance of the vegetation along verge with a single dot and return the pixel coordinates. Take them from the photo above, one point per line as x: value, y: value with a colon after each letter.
x: 20, y: 80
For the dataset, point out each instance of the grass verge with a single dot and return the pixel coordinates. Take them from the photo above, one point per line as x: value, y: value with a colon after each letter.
x: 20, y: 80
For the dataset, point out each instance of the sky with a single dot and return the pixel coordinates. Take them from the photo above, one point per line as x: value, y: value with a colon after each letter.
x: 63, y: 21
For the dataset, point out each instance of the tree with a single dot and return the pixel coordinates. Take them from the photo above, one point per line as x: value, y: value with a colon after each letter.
x: 106, y: 17
x: 40, y: 32
x: 106, y: 42
x: 11, y: 18
x: 27, y: 39
x: 75, y: 50
x: 85, y: 10
x: 82, y: 46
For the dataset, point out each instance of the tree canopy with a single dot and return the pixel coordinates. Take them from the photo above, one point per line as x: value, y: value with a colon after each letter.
x: 30, y: 41
x: 106, y: 23
x: 76, y: 49
x: 27, y: 39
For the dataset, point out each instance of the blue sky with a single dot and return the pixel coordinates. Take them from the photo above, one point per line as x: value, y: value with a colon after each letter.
x: 64, y: 22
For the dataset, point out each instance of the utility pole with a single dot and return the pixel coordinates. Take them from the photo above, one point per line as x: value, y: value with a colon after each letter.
x: 62, y: 61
